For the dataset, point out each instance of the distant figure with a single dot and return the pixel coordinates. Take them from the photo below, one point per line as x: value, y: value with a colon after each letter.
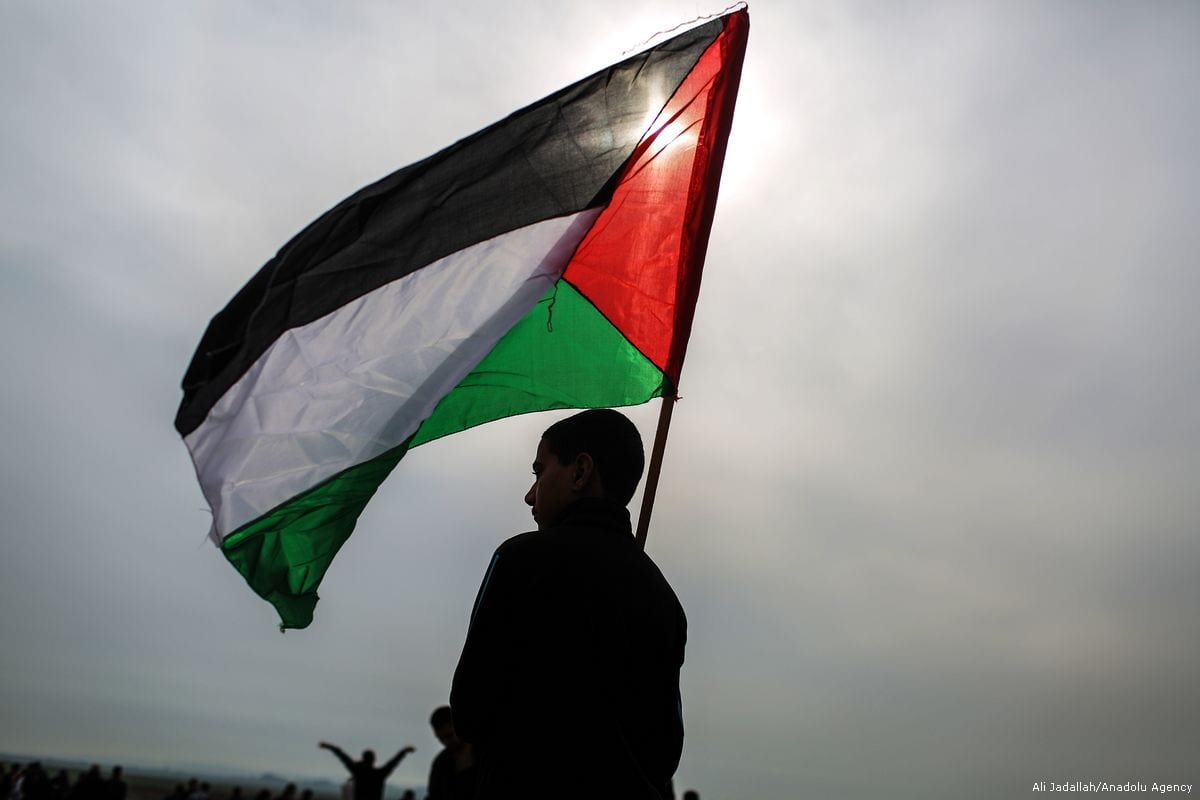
x: 368, y: 779
x: 198, y: 790
x: 568, y: 683
x: 60, y: 785
x: 452, y: 775
x: 409, y: 794
x: 89, y: 785
x: 691, y: 794
x: 33, y: 783
x: 288, y: 793
x: 114, y: 787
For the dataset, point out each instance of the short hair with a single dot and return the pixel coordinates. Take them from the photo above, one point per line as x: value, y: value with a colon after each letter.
x: 610, y: 439
x: 442, y: 715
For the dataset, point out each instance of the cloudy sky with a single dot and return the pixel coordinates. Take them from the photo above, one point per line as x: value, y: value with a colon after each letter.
x: 930, y: 496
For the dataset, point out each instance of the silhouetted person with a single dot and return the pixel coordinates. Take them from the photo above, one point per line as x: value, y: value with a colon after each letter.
x: 691, y: 794
x: 452, y: 775
x: 89, y: 785
x: 60, y: 785
x: 368, y: 778
x: 197, y: 790
x: 33, y: 783
x: 568, y: 683
x: 114, y: 787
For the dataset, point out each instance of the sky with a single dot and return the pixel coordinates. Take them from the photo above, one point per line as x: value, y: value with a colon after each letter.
x: 929, y: 496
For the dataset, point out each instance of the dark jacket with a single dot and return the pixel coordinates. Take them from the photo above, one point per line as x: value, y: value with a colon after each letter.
x: 568, y: 683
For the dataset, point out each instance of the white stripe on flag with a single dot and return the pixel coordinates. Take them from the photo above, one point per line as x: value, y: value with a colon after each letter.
x: 359, y: 381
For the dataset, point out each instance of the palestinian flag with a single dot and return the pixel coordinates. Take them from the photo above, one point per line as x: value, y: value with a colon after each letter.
x: 549, y: 261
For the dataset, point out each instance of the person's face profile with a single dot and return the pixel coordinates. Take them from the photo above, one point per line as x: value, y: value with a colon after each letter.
x: 552, y: 487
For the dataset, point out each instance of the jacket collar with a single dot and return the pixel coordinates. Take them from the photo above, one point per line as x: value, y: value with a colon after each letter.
x: 596, y: 512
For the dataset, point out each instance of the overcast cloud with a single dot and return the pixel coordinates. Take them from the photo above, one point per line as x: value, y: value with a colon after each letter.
x: 929, y: 498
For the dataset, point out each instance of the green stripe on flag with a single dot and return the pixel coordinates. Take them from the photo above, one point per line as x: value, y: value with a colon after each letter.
x: 284, y: 554
x: 562, y: 354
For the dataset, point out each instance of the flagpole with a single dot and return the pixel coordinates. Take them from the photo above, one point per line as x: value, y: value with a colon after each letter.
x: 721, y: 102
x: 656, y: 459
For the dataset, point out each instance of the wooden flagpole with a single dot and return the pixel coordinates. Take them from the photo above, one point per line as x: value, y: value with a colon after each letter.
x: 703, y: 190
x: 656, y: 459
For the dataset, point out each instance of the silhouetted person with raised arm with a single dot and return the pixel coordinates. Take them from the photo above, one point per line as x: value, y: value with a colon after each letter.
x: 568, y: 683
x: 368, y: 779
x: 452, y: 774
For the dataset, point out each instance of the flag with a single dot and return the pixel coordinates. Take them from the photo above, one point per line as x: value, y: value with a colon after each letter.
x: 551, y: 260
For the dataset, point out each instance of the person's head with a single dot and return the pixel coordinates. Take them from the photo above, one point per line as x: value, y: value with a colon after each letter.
x: 442, y: 722
x: 595, y: 453
x: 691, y: 794
x: 368, y: 757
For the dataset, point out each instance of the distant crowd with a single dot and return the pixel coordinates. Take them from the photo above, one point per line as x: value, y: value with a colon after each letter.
x: 200, y: 790
x: 452, y: 776
x: 32, y: 782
